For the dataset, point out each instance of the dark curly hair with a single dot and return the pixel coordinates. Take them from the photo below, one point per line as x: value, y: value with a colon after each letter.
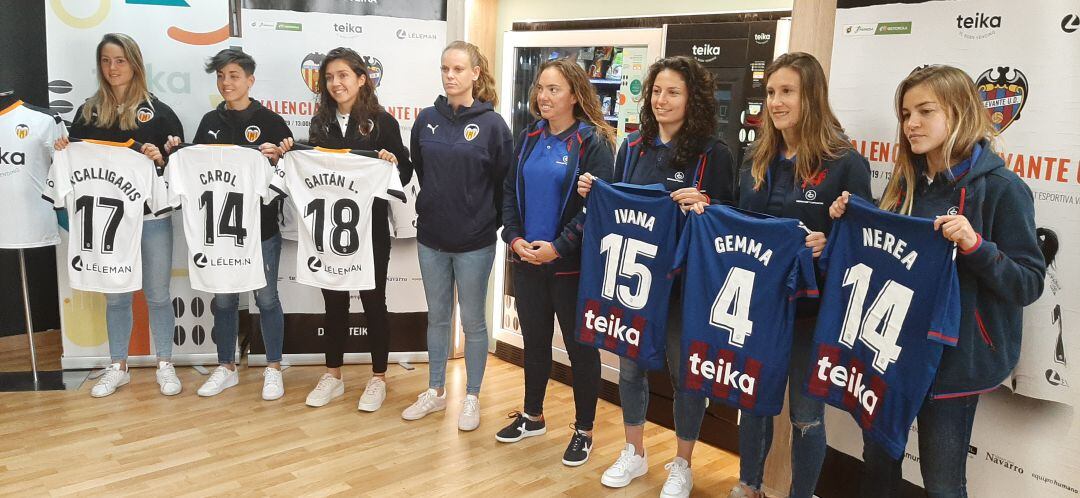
x: 700, y: 125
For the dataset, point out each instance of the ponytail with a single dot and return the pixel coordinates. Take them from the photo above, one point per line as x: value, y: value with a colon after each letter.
x: 484, y: 86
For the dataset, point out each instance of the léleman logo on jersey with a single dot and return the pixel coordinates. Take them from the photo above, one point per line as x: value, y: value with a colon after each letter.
x: 145, y: 114
x: 22, y: 131
x: 76, y: 263
x: 252, y: 133
x: 14, y: 158
x: 1070, y: 23
x: 432, y: 128
x: 1004, y: 92
x: 471, y: 131
x: 200, y: 260
x: 314, y: 264
x: 1055, y: 379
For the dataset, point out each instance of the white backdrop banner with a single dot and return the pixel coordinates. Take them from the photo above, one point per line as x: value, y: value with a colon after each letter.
x: 175, y: 45
x: 1022, y: 56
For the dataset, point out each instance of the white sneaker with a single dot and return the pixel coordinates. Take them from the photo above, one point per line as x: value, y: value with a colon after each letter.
x: 167, y: 379
x: 743, y: 491
x: 469, y: 419
x: 220, y: 379
x: 110, y: 381
x: 427, y: 402
x: 628, y: 467
x: 374, y: 395
x: 328, y: 388
x: 679, y: 480
x: 273, y: 386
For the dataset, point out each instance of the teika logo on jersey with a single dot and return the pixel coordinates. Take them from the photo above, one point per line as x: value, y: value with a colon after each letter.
x: 721, y: 373
x: 471, y: 132
x: 862, y: 389
x: 1004, y: 92
x: 615, y: 328
x: 22, y: 131
x: 252, y: 133
x: 15, y: 158
x: 144, y: 114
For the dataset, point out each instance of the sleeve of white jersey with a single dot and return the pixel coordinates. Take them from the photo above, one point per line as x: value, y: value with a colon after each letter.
x: 160, y: 195
x: 173, y: 183
x: 393, y: 189
x: 278, y: 187
x: 57, y: 185
x: 55, y: 131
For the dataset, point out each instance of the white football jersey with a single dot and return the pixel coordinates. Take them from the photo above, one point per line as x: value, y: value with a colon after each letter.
x: 332, y: 192
x: 106, y: 188
x: 220, y: 188
x: 26, y: 150
x: 403, y: 214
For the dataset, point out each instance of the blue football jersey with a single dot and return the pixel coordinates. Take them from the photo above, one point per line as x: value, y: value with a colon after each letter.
x: 627, y: 248
x: 743, y: 273
x: 891, y: 302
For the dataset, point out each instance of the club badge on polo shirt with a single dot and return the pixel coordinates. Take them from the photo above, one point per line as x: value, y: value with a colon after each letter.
x: 679, y: 177
x: 472, y: 131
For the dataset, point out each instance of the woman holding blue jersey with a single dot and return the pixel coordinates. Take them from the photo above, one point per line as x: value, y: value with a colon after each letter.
x: 676, y: 147
x: 799, y: 164
x: 461, y: 150
x: 539, y: 210
x: 947, y: 170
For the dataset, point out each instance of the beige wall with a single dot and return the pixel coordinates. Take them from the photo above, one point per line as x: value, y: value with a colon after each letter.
x: 511, y: 11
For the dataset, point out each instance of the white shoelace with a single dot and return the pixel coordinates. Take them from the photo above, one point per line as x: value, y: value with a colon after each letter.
x: 272, y: 374
x: 623, y: 463
x: 218, y: 377
x: 470, y: 407
x: 325, y: 383
x: 675, y: 475
x: 112, y: 376
x: 373, y: 386
x: 168, y: 373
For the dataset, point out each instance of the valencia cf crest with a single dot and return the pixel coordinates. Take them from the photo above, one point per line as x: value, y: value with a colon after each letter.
x: 374, y: 69
x: 1004, y: 92
x: 471, y: 132
x: 145, y: 114
x: 309, y: 70
x: 22, y: 131
x: 252, y: 133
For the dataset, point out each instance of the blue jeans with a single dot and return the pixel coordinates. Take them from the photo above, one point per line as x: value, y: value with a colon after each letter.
x: 634, y: 385
x: 271, y: 319
x: 944, y: 438
x: 807, y: 426
x: 469, y: 271
x: 157, y: 273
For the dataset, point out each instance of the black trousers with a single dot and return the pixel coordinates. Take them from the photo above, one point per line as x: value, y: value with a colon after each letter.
x: 337, y: 302
x: 541, y: 295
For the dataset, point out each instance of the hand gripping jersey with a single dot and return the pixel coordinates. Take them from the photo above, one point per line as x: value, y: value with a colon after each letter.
x: 891, y: 301
x: 26, y: 150
x: 628, y: 246
x: 332, y: 192
x: 743, y: 273
x: 106, y: 188
x: 220, y: 189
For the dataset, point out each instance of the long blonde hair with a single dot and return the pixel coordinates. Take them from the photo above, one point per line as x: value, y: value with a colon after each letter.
x: 587, y: 108
x: 820, y: 135
x: 967, y: 120
x: 484, y: 87
x: 110, y: 109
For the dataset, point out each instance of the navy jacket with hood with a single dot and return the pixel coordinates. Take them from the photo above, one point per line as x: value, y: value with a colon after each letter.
x: 588, y: 152
x: 1000, y: 275
x: 461, y: 158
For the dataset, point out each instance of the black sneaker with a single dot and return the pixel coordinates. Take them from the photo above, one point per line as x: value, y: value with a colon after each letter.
x: 521, y: 428
x: 578, y: 451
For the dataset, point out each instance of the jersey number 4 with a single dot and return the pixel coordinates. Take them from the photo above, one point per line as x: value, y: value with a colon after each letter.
x: 731, y: 309
x: 880, y: 328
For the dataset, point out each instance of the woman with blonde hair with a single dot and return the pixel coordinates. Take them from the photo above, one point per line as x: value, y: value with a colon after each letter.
x: 123, y: 109
x: 542, y: 226
x: 799, y: 164
x: 947, y: 170
x: 460, y: 150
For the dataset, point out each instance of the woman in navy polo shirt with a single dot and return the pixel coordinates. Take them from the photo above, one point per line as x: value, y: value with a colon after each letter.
x: 539, y: 207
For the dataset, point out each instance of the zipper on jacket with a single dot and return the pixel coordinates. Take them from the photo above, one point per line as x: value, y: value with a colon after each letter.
x: 983, y: 332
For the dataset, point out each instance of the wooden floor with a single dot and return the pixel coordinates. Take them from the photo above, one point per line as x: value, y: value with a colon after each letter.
x: 138, y: 441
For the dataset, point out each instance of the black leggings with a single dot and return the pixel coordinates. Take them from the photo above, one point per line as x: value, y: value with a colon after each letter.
x: 541, y: 295
x: 337, y: 302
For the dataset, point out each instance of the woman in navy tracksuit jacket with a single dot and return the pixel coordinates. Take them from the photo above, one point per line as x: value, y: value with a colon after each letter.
x: 989, y: 213
x: 461, y: 150
x: 543, y: 228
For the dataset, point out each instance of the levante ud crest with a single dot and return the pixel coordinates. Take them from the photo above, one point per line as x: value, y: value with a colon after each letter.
x: 1003, y: 91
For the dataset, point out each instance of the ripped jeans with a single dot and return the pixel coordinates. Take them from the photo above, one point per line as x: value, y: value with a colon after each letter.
x: 807, y: 425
